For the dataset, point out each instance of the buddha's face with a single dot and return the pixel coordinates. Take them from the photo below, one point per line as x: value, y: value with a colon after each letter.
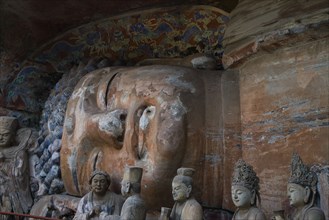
x: 296, y: 194
x: 147, y: 117
x: 5, y: 137
x: 180, y: 191
x: 99, y: 184
x: 241, y: 196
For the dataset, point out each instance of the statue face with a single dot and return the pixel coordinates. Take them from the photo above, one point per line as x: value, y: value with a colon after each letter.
x: 180, y: 191
x: 296, y: 194
x: 147, y: 117
x: 241, y: 196
x: 99, y: 184
x: 5, y: 137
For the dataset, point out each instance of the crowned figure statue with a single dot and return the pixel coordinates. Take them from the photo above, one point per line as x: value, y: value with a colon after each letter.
x: 302, y: 191
x: 15, y: 194
x: 245, y: 192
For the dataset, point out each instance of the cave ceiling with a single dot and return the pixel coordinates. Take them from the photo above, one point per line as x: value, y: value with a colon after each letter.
x: 26, y: 24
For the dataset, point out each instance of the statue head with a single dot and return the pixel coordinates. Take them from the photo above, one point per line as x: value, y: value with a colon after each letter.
x: 245, y: 185
x: 131, y: 182
x: 151, y: 117
x: 8, y: 127
x: 182, y: 184
x: 99, y: 182
x: 302, y: 182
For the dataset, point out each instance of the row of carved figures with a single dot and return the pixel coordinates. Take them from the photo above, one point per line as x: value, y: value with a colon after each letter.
x: 301, y: 192
x: 100, y: 203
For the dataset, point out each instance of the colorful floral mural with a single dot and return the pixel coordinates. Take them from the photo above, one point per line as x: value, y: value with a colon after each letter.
x: 129, y: 38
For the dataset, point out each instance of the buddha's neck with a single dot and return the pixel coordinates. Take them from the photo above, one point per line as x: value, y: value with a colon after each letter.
x: 244, y: 210
x: 98, y: 198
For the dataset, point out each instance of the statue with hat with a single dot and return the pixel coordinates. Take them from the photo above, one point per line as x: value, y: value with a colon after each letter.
x: 15, y: 193
x: 134, y: 207
x: 185, y: 207
x: 302, y: 191
x: 245, y: 192
x: 99, y: 203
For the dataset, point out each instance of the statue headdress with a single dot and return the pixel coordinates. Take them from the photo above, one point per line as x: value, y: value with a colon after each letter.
x: 8, y: 123
x: 244, y: 175
x: 185, y: 174
x: 184, y: 171
x: 300, y: 173
x: 133, y: 174
x: 99, y: 172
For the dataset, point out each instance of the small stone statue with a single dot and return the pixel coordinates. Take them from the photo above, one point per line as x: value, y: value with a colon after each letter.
x: 15, y: 194
x: 185, y: 207
x: 302, y: 191
x: 165, y: 213
x: 245, y: 192
x: 134, y: 207
x: 99, y: 203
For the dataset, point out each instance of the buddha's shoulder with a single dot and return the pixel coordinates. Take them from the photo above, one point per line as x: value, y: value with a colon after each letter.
x: 314, y: 213
x: 256, y: 212
x: 193, y: 202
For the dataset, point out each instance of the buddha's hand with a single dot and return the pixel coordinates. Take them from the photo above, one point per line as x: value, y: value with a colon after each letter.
x: 94, y: 212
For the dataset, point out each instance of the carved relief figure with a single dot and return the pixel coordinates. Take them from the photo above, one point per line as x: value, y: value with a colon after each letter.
x: 245, y: 192
x: 185, y: 207
x: 302, y: 191
x: 15, y: 194
x: 134, y: 207
x: 147, y: 116
x: 165, y: 213
x: 99, y: 203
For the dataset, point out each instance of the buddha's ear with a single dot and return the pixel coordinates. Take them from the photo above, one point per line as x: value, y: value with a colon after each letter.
x: 307, y: 191
x: 253, y: 197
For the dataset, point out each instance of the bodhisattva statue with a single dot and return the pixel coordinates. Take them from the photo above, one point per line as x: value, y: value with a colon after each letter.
x: 15, y: 194
x: 100, y: 203
x: 185, y: 207
x: 302, y: 191
x: 134, y: 207
x: 245, y: 192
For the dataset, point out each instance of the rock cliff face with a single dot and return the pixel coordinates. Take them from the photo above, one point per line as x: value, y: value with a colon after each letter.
x: 272, y: 98
x: 280, y: 49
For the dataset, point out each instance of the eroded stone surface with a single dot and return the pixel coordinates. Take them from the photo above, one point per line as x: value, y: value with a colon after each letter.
x: 159, y: 125
x: 256, y: 23
x: 284, y: 108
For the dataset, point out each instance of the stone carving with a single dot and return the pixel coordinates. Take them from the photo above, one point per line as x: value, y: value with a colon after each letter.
x: 185, y: 207
x: 322, y: 172
x: 15, y: 194
x: 134, y: 207
x: 245, y: 192
x: 56, y: 206
x: 198, y: 61
x: 99, y: 203
x: 147, y: 116
x: 165, y: 213
x: 302, y: 191
x: 47, y: 153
